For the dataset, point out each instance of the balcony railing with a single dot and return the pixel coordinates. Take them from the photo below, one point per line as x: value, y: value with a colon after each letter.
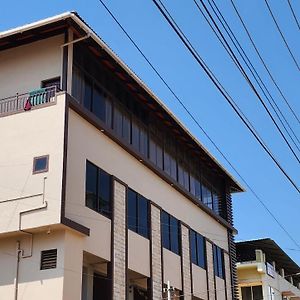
x: 27, y: 101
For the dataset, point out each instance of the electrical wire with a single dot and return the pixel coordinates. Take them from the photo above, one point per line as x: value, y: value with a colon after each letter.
x: 237, y: 44
x: 293, y: 13
x: 198, y: 124
x: 254, y: 73
x: 221, y: 89
x: 282, y: 35
x: 263, y: 62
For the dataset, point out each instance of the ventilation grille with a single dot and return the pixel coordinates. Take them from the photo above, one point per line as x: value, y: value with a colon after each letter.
x: 48, y: 259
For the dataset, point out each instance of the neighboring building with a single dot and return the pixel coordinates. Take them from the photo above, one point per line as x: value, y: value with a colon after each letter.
x: 266, y: 272
x: 104, y: 194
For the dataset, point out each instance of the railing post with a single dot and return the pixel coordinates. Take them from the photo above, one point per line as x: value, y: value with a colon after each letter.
x: 17, y: 101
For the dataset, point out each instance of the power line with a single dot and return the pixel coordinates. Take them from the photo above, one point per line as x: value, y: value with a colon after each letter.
x: 282, y: 35
x: 222, y: 90
x: 264, y: 63
x: 293, y: 13
x: 235, y: 41
x: 198, y: 124
x: 254, y: 74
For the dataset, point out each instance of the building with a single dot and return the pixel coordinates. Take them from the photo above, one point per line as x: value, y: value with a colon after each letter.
x: 266, y: 272
x: 104, y: 193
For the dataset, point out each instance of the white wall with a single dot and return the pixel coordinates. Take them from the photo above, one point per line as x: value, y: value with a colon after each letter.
x: 23, y: 68
x: 24, y: 136
x: 86, y: 142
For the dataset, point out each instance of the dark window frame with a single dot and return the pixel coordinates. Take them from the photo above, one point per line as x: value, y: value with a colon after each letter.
x: 167, y: 227
x: 99, y: 209
x: 35, y: 161
x: 202, y: 263
x: 135, y: 225
x: 218, y: 257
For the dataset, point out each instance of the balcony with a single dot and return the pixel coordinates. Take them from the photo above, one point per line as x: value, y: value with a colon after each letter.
x: 25, y: 102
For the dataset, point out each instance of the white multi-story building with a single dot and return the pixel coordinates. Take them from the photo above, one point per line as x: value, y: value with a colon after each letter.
x: 266, y: 272
x: 103, y: 193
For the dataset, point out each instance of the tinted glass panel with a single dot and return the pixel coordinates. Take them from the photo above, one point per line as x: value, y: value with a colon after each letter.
x: 99, y: 105
x: 200, y: 251
x: 220, y: 263
x: 206, y: 196
x: 215, y: 200
x: 257, y: 292
x: 40, y: 164
x: 126, y: 127
x: 118, y: 121
x: 135, y: 138
x: 142, y: 216
x: 91, y: 186
x: 246, y: 293
x: 215, y: 253
x: 193, y: 247
x: 132, y: 210
x: 165, y: 225
x: 87, y: 94
x: 104, y: 192
x: 174, y: 228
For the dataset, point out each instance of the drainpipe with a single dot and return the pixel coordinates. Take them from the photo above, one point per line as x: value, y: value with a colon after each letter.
x: 20, y: 252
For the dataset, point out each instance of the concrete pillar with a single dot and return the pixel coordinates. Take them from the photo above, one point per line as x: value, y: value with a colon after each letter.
x: 228, y: 276
x: 156, y: 251
x: 281, y: 272
x: 186, y: 263
x: 210, y: 271
x: 119, y: 242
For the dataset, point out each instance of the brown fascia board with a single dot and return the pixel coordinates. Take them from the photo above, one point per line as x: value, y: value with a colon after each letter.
x: 72, y: 19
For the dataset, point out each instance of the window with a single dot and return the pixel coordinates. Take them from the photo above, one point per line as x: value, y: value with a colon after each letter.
x: 102, y: 107
x: 218, y: 261
x: 197, y: 248
x: 139, y: 137
x: 41, y: 164
x: 98, y: 189
x: 155, y: 151
x: 48, y: 259
x: 137, y: 213
x: 53, y: 82
x: 252, y: 293
x: 170, y: 230
x: 122, y: 123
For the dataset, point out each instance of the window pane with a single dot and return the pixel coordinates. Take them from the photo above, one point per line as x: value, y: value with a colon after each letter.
x: 99, y: 105
x: 257, y: 292
x: 91, y: 186
x: 142, y: 216
x: 174, y: 233
x: 220, y: 263
x: 152, y: 150
x: 215, y: 200
x: 159, y: 156
x: 215, y: 254
x: 104, y: 192
x: 246, y: 293
x: 135, y: 138
x: 198, y: 189
x: 193, y: 246
x: 108, y: 112
x: 165, y: 231
x: 206, y: 196
x: 87, y: 94
x: 126, y: 127
x: 132, y: 210
x: 201, y: 251
x: 118, y: 121
x: 143, y: 142
x: 173, y: 166
x: 167, y: 163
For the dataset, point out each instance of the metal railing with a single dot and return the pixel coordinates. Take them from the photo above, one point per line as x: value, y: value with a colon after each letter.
x: 24, y: 102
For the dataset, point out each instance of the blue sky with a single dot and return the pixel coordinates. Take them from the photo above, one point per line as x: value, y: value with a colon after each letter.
x: 147, y: 27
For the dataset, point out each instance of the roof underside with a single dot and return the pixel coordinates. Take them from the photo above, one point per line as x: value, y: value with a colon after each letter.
x: 59, y: 24
x: 246, y: 252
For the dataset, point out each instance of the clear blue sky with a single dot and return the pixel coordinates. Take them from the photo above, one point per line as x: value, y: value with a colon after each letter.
x: 147, y: 27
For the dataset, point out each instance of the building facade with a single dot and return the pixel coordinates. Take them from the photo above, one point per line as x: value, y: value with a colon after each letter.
x: 266, y: 272
x: 104, y: 194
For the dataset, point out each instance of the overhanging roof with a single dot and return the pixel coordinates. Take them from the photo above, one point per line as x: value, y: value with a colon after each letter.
x: 58, y: 24
x: 246, y: 250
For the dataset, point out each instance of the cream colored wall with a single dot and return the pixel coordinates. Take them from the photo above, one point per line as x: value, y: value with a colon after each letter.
x: 199, y: 282
x: 33, y: 282
x: 172, y: 269
x: 23, y: 68
x: 220, y: 288
x: 138, y: 253
x: 24, y: 136
x: 86, y: 142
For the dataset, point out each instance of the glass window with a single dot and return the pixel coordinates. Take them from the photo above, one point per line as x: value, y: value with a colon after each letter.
x: 218, y: 261
x: 87, y: 100
x: 98, y: 189
x: 206, y: 195
x: 252, y: 293
x: 91, y: 186
x: 137, y: 213
x: 165, y: 229
x: 246, y: 293
x: 197, y: 247
x: 170, y: 227
x: 257, y: 292
x: 132, y: 210
x: 215, y: 201
x: 40, y: 164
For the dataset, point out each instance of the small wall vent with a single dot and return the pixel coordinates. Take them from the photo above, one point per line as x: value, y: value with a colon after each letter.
x: 48, y: 259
